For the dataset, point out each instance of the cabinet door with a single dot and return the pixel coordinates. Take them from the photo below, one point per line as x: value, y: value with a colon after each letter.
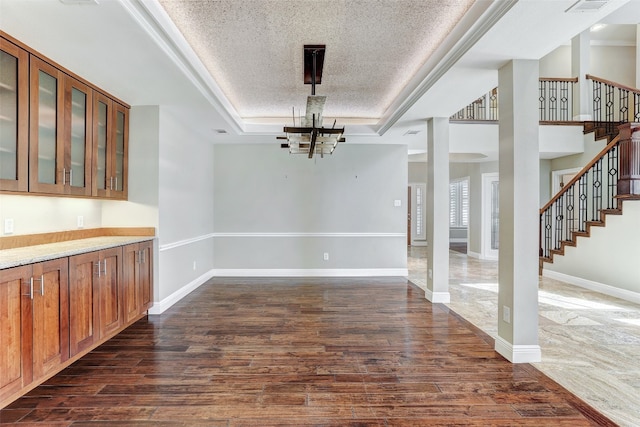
x: 102, y: 128
x: 83, y: 314
x: 46, y: 145
x: 78, y: 107
x: 120, y: 149
x: 14, y: 117
x: 15, y: 330
x: 146, y: 276
x: 110, y: 311
x: 136, y: 279
x: 50, y: 316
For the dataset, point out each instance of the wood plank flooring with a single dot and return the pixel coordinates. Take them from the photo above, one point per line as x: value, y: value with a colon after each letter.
x: 298, y: 352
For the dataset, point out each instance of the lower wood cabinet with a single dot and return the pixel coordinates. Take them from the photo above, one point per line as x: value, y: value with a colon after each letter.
x: 95, y: 295
x: 34, y: 323
x: 137, y: 274
x: 53, y: 312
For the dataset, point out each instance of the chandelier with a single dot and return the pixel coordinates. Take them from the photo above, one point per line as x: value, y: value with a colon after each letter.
x: 310, y: 136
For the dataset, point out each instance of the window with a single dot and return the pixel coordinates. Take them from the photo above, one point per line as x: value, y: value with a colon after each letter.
x: 459, y: 203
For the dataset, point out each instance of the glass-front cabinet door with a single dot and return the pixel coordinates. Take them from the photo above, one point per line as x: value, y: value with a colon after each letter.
x: 14, y: 117
x: 120, y: 147
x: 46, y: 148
x: 110, y: 146
x: 78, y: 116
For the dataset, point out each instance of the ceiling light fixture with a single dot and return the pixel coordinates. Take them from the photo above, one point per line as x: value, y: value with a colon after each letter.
x: 310, y: 137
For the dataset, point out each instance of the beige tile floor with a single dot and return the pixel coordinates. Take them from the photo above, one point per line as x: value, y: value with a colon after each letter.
x: 590, y: 342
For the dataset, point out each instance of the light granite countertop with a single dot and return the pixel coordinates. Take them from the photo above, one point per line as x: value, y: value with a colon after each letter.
x: 38, y: 253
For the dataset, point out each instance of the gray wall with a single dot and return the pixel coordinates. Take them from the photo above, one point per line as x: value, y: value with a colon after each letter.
x: 282, y: 212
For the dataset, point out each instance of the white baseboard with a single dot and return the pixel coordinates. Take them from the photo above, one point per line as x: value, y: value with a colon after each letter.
x: 312, y: 272
x: 419, y: 243
x: 518, y: 353
x: 437, y: 297
x: 624, y: 294
x: 473, y: 254
x: 161, y: 306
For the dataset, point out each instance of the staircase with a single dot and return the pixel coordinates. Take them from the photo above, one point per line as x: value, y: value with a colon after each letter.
x: 594, y: 193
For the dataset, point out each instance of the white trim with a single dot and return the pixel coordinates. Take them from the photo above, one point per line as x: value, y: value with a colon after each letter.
x: 185, y: 242
x: 288, y: 235
x: 458, y: 240
x: 518, y: 353
x: 473, y: 254
x: 594, y: 286
x: 486, y: 252
x: 311, y: 272
x: 437, y: 297
x: 161, y: 306
x: 419, y: 243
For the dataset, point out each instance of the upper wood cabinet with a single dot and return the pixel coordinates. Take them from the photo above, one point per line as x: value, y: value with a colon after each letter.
x: 110, y: 147
x: 58, y: 133
x: 14, y: 117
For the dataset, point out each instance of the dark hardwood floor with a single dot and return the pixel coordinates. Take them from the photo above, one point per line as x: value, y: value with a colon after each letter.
x: 324, y: 352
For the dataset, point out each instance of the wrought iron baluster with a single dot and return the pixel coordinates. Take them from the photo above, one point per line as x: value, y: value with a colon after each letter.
x: 612, y: 176
x: 597, y: 101
x: 623, y: 101
x: 636, y: 107
x: 597, y: 191
x: 570, y: 212
x: 564, y: 101
x: 582, y: 204
x: 547, y: 232
x: 559, y: 222
x: 553, y: 100
x: 542, y: 100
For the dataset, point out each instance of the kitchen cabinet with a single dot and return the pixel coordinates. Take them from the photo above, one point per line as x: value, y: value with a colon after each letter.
x: 95, y: 297
x: 34, y: 323
x: 14, y: 117
x: 137, y: 283
x: 110, y: 146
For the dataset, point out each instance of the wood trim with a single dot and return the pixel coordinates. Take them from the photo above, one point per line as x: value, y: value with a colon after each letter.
x: 10, y: 242
x: 614, y: 84
x: 559, y: 79
x: 60, y: 67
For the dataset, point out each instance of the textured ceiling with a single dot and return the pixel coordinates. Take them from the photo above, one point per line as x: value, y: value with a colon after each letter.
x: 254, y: 49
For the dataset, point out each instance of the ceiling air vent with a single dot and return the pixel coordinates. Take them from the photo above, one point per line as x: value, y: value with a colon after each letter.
x: 79, y: 2
x: 587, y: 5
x: 411, y: 132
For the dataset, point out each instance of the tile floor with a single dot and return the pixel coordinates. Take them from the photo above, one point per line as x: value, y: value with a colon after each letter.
x: 590, y: 342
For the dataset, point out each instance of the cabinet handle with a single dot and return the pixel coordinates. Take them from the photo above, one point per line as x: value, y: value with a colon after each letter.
x: 110, y: 183
x: 144, y: 256
x: 64, y: 177
x: 116, y: 184
x: 30, y: 294
x: 98, y: 265
x: 70, y: 176
x: 105, y: 266
x: 41, y: 280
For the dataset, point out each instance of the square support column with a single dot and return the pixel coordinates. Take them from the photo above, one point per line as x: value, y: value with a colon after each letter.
x: 580, y: 61
x: 519, y: 168
x: 438, y: 210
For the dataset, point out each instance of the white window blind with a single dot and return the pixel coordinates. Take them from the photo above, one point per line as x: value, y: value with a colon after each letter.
x: 459, y: 203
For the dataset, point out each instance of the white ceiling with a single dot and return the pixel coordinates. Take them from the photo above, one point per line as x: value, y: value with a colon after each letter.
x: 389, y: 63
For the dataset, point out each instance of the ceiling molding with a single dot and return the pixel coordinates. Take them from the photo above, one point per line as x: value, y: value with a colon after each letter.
x: 154, y: 20
x: 496, y: 11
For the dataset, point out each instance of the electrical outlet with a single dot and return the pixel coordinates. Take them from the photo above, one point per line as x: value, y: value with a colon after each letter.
x: 80, y: 221
x: 8, y: 226
x: 326, y: 256
x: 506, y: 314
x: 194, y: 265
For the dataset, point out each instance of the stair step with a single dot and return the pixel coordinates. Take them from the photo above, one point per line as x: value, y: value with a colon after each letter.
x: 611, y: 211
x: 595, y: 223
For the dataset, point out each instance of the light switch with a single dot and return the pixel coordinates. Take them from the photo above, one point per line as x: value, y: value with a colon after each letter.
x: 397, y: 203
x: 8, y: 226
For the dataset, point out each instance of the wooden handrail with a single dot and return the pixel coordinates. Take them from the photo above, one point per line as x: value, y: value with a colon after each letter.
x: 583, y: 171
x: 614, y: 84
x: 559, y: 79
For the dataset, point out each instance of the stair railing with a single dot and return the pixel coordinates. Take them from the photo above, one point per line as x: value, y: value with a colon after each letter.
x: 614, y: 103
x: 555, y: 97
x: 581, y: 202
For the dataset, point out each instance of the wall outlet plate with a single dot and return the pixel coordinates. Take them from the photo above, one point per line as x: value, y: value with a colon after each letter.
x: 8, y: 226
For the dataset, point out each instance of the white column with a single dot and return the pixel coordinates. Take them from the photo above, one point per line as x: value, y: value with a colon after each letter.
x: 580, y: 60
x: 637, y: 55
x: 438, y: 210
x: 519, y: 169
